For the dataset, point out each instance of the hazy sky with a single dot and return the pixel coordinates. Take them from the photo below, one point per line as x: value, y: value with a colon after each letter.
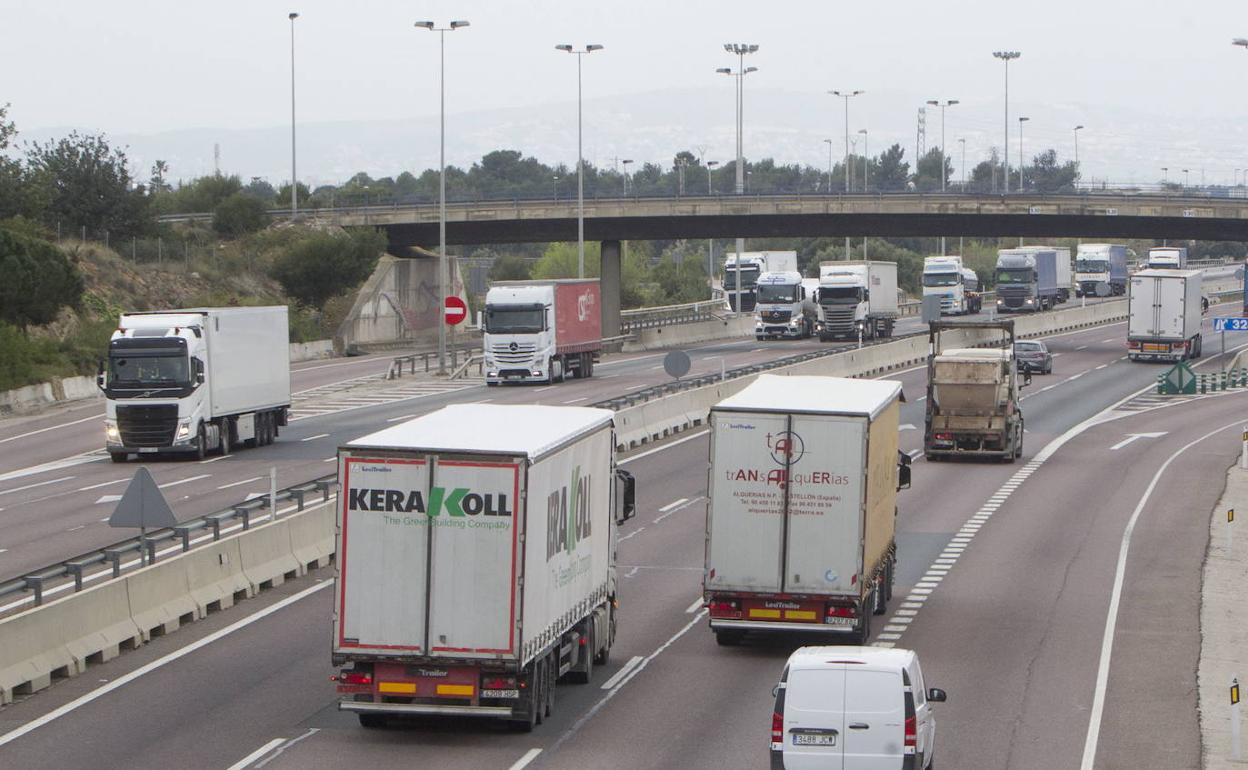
x: 143, y: 66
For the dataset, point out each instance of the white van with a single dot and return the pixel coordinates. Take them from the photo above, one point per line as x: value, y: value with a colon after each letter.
x: 853, y: 708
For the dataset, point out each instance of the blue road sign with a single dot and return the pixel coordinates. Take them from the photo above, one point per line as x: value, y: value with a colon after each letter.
x: 1230, y: 324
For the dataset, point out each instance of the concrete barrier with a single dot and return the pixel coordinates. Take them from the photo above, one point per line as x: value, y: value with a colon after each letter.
x: 312, y: 537
x: 310, y: 351
x: 214, y: 575
x: 266, y: 556
x: 102, y: 625
x: 160, y: 598
x: 683, y: 334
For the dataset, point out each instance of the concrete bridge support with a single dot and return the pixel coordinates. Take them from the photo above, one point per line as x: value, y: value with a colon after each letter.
x: 610, y: 277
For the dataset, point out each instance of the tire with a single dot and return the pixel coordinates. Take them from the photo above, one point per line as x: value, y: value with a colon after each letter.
x: 225, y: 442
x: 879, y: 598
x: 584, y: 677
x: 372, y: 721
x: 118, y: 457
x: 541, y: 685
x: 201, y: 444
x: 864, y: 633
x: 604, y: 657
x: 891, y: 570
x: 589, y: 364
x: 728, y: 637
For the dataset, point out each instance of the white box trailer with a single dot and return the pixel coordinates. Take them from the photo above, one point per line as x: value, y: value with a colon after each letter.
x: 476, y: 560
x: 803, y: 499
x: 1165, y: 315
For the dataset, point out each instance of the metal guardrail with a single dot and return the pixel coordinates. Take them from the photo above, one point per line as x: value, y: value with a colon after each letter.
x: 110, y: 557
x: 668, y: 315
x: 408, y: 360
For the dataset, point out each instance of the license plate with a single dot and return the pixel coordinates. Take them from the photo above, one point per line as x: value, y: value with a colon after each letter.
x: 814, y: 739
x: 148, y: 450
x: 513, y: 694
x: 838, y: 621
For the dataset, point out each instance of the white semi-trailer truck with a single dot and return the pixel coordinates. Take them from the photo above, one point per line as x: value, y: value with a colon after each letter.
x: 857, y: 298
x: 1101, y: 268
x: 803, y: 503
x: 943, y: 277
x: 197, y: 380
x: 542, y: 331
x: 784, y: 308
x: 1165, y: 315
x: 476, y: 561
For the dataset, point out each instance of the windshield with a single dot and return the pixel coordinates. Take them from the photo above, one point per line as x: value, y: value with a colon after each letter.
x: 1015, y: 275
x: 514, y: 319
x: 143, y: 368
x: 941, y: 279
x: 841, y: 294
x: 776, y: 294
x: 749, y: 276
x: 1092, y: 266
x: 1025, y: 347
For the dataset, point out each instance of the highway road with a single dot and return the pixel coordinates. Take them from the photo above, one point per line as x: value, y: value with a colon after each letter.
x: 1006, y: 576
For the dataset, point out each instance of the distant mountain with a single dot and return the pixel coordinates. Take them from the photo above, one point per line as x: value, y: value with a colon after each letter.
x: 1119, y: 144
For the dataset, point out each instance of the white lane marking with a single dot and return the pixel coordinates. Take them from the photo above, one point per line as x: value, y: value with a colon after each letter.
x: 623, y: 672
x: 50, y: 427
x: 260, y: 752
x: 1081, y: 347
x: 314, y: 438
x: 240, y: 483
x: 37, y: 484
x: 576, y: 726
x: 906, y: 426
x: 329, y: 459
x: 634, y: 533
x: 920, y: 399
x: 401, y: 418
x: 914, y: 453
x: 683, y: 505
x: 75, y: 529
x: 214, y: 459
x: 577, y: 400
x: 102, y: 484
x: 108, y: 499
x: 673, y: 504
x: 1111, y: 618
x: 632, y: 572
x: 1133, y: 436
x: 1111, y: 339
x: 1055, y: 355
x: 160, y: 662
x: 697, y: 605
x: 890, y: 637
x: 548, y: 387
x: 1102, y: 366
x: 1073, y: 377
x: 606, y: 376
x: 280, y: 749
x: 482, y: 401
x: 3, y: 550
x: 184, y: 481
x: 525, y: 759
x: 677, y: 442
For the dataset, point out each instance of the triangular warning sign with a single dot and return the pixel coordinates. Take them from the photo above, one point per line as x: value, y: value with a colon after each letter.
x: 143, y: 505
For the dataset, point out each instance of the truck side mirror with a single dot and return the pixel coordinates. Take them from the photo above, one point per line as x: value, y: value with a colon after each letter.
x: 628, y: 507
x: 936, y: 695
x: 198, y: 366
x: 99, y: 374
x: 903, y: 470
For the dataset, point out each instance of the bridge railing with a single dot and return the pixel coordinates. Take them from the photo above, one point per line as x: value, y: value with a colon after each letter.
x: 632, y: 321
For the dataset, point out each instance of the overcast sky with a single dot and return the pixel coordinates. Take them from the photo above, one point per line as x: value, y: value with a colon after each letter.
x: 138, y: 67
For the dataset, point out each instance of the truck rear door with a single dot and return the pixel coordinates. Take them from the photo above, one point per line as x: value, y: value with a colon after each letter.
x: 746, y: 527
x: 825, y: 503
x: 1170, y: 293
x: 1144, y: 308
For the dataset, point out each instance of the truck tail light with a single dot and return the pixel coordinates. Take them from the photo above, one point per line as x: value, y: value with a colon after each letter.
x: 722, y: 607
x: 355, y: 677
x: 841, y: 611
x: 498, y: 683
x: 943, y: 436
x: 1133, y: 344
x: 777, y: 727
x: 912, y: 732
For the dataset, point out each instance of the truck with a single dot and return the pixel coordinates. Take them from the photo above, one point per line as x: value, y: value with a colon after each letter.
x: 195, y: 381
x: 1026, y: 279
x: 971, y: 290
x: 803, y: 503
x: 945, y: 277
x: 1098, y: 264
x: 857, y: 298
x: 1167, y: 258
x: 476, y: 561
x: 1164, y: 315
x: 1065, y: 276
x: 750, y: 265
x: 784, y: 307
x: 972, y: 404
x: 542, y: 331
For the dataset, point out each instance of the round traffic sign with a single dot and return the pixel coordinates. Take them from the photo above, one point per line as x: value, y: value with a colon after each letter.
x: 456, y: 311
x: 677, y: 363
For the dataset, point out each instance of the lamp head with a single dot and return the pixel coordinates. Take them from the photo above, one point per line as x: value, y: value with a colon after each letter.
x: 292, y: 16
x: 1023, y: 119
x: 1006, y: 55
x: 933, y: 102
x: 1078, y: 127
x: 425, y: 24
x: 1240, y: 41
x: 724, y: 71
x: 458, y: 24
x: 592, y: 47
x: 951, y: 102
x: 748, y: 70
x: 564, y: 47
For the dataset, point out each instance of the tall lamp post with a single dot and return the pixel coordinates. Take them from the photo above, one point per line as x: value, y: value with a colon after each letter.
x: 942, y: 106
x: 294, y: 179
x: 1165, y: 176
x: 1007, y: 57
x: 710, y: 243
x: 963, y: 143
x: 627, y: 177
x: 443, y: 292
x: 580, y: 176
x: 828, y: 142
x: 1076, y: 130
x: 846, y: 95
x: 1021, y: 121
x: 865, y: 153
x: 740, y: 49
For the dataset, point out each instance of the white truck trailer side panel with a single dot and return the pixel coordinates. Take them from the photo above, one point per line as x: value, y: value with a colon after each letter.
x: 248, y: 358
x: 826, y: 500
x: 747, y: 502
x: 382, y: 557
x: 883, y: 285
x: 567, y: 544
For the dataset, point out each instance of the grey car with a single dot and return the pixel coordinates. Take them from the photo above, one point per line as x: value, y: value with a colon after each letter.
x: 1033, y: 356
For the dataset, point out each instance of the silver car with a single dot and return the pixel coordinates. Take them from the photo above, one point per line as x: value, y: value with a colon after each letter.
x: 1033, y: 356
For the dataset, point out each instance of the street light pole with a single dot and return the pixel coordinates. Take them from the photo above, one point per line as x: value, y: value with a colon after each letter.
x: 1021, y: 121
x: 828, y: 142
x: 1007, y: 56
x: 865, y: 152
x: 294, y: 179
x: 627, y: 177
x: 942, y: 106
x: 443, y: 292
x: 963, y: 143
x: 846, y: 95
x: 740, y: 49
x: 1077, y: 129
x: 580, y: 174
x: 710, y: 243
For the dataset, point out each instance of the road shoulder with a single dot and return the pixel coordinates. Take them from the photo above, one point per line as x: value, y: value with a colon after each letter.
x: 1224, y: 633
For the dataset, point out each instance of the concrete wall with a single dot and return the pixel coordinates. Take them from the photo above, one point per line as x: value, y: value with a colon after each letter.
x: 683, y: 334
x: 399, y: 303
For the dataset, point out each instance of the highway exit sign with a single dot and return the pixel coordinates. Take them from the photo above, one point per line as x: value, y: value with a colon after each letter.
x: 1230, y: 324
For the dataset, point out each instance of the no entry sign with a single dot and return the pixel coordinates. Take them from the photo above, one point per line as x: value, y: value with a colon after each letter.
x: 456, y: 311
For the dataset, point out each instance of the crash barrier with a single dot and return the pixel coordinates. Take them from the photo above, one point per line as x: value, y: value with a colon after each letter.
x: 661, y: 411
x: 62, y: 638
x: 408, y: 360
x: 632, y: 321
x: 703, y: 331
x: 310, y: 351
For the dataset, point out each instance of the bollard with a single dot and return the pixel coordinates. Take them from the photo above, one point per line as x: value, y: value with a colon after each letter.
x: 1243, y: 451
x: 1235, y: 747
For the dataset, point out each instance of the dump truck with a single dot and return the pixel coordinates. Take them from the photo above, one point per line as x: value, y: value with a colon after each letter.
x: 803, y: 501
x: 476, y: 561
x: 973, y: 392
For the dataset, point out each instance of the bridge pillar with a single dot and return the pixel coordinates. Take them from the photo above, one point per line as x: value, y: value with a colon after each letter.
x: 610, y: 277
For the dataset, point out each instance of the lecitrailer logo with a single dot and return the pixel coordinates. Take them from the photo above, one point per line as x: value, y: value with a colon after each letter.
x: 568, y: 515
x: 455, y: 502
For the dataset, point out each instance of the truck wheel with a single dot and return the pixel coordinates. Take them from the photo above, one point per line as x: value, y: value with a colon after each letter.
x: 728, y: 637
x: 372, y: 721
x: 583, y: 677
x: 879, y: 601
x: 226, y: 441
x: 201, y: 443
x: 604, y: 657
x: 864, y: 631
x: 541, y: 695
x: 589, y: 364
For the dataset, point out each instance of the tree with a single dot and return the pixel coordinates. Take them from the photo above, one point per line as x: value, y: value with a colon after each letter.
x: 13, y: 198
x: 560, y: 261
x: 281, y: 199
x: 240, y: 214
x: 1046, y: 176
x: 86, y: 184
x: 325, y: 265
x: 510, y: 268
x: 261, y: 190
x: 38, y: 280
x: 927, y: 171
x: 891, y: 173
x: 157, y: 184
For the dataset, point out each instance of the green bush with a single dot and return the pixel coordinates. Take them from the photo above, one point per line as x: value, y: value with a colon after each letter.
x: 324, y: 265
x: 238, y: 215
x: 38, y: 280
